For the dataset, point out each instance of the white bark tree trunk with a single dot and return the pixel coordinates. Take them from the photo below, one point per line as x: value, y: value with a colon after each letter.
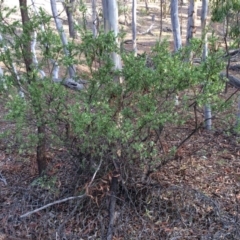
x: 71, y: 83
x: 175, y: 25
x: 110, y: 15
x: 203, y: 26
x: 134, y: 26
x: 55, y: 65
x: 207, y: 107
x: 34, y: 55
x: 191, y: 26
x: 62, y: 34
x: 95, y: 21
x: 176, y: 32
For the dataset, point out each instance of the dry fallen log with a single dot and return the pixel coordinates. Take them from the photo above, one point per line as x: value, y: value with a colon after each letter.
x: 232, y: 53
x: 234, y: 81
x: 70, y: 83
x: 235, y: 67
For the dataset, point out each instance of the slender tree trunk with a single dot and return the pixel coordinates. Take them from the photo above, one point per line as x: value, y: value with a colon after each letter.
x: 146, y: 5
x: 191, y: 26
x: 181, y: 18
x: 95, y: 21
x: 166, y: 7
x: 26, y: 47
x: 175, y: 25
x: 207, y: 107
x: 113, y: 191
x: 41, y: 149
x: 27, y: 55
x: 70, y: 82
x: 176, y: 32
x: 59, y: 26
x: 203, y: 26
x: 134, y: 26
x: 161, y: 19
x: 110, y: 15
x: 69, y: 11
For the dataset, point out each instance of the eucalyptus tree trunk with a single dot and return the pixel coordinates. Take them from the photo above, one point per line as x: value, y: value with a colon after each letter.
x: 204, y: 30
x: 176, y: 32
x: 134, y: 26
x: 69, y: 7
x: 36, y: 11
x: 59, y: 26
x: 95, y: 21
x: 207, y: 107
x: 70, y: 82
x: 161, y: 19
x: 192, y: 15
x: 191, y: 25
x: 33, y: 45
x: 175, y: 25
x: 55, y: 70
x: 110, y: 15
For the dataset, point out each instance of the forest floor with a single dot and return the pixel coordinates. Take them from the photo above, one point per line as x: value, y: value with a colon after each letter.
x: 194, y: 196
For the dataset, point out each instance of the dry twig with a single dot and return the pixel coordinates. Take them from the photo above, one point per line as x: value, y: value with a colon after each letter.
x: 65, y: 199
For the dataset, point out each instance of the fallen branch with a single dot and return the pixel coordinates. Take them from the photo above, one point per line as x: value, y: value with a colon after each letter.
x: 235, y: 67
x: 234, y: 81
x: 70, y: 83
x: 148, y: 31
x: 51, y: 204
x: 232, y: 53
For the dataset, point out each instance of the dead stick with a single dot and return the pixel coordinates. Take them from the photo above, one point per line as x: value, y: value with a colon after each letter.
x: 51, y: 204
x: 65, y: 199
x: 113, y: 190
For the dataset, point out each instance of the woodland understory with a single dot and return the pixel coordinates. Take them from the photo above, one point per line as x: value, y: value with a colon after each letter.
x: 122, y: 161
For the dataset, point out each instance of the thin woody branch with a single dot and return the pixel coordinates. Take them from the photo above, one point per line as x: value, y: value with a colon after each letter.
x: 65, y: 199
